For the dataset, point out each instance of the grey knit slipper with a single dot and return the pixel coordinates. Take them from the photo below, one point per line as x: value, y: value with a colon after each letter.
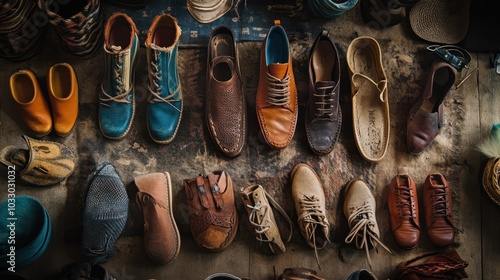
x: 104, y: 214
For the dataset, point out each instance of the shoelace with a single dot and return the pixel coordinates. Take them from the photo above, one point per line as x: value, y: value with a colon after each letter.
x: 118, y: 76
x: 325, y: 102
x: 361, y: 226
x: 263, y: 226
x: 440, y: 201
x: 312, y: 216
x: 278, y: 90
x: 381, y: 85
x: 404, y: 201
x: 155, y: 72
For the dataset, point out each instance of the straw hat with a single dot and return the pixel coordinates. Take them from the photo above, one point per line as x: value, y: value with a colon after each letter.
x: 440, y: 21
x: 206, y: 11
x: 490, y: 179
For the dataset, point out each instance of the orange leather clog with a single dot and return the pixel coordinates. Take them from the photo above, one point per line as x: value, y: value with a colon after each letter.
x: 62, y: 86
x: 33, y: 107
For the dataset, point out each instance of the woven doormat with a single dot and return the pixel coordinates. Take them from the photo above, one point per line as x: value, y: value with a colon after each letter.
x: 250, y: 22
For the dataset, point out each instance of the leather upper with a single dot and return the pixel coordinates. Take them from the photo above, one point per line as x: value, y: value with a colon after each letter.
x: 225, y: 102
x: 165, y: 103
x: 63, y: 94
x: 162, y: 240
x: 426, y: 114
x: 438, y: 204
x: 33, y: 107
x: 117, y: 101
x: 324, y: 116
x: 402, y: 200
x: 276, y: 99
x: 213, y: 218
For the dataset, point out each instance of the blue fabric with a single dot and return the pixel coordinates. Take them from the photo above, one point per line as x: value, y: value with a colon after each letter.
x: 163, y: 117
x: 115, y: 118
x: 33, y: 231
x: 277, y: 46
x: 105, y: 213
x: 329, y: 9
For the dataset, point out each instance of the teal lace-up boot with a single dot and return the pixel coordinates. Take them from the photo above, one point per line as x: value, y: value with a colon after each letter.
x: 117, y: 101
x: 164, y: 110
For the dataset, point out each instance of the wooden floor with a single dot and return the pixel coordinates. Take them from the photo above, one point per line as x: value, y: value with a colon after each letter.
x: 469, y: 113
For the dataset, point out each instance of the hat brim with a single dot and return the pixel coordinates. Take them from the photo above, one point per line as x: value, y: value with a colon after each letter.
x: 440, y: 21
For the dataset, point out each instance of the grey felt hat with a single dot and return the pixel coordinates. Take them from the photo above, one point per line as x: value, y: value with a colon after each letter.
x: 206, y: 11
x: 440, y: 21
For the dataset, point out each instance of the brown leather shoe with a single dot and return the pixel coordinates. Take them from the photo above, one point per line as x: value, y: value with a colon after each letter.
x: 426, y: 115
x: 63, y: 94
x: 370, y: 104
x: 309, y: 198
x: 32, y: 105
x: 438, y: 210
x: 277, y: 100
x: 225, y: 102
x: 402, y: 200
x: 213, y: 218
x: 162, y: 240
x: 323, y: 117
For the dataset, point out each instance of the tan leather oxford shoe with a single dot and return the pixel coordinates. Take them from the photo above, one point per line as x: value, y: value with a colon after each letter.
x: 276, y: 101
x: 63, y: 94
x: 33, y: 107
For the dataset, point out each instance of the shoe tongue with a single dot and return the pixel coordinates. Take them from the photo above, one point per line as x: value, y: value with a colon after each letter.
x: 321, y: 86
x: 278, y: 70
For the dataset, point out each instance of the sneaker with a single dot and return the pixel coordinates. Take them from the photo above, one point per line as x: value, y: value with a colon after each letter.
x: 309, y: 198
x: 117, y: 101
x: 359, y: 209
x: 362, y: 274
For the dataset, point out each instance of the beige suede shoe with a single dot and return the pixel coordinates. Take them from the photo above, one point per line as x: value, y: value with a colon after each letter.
x: 258, y: 204
x: 370, y: 105
x: 309, y: 198
x: 359, y: 209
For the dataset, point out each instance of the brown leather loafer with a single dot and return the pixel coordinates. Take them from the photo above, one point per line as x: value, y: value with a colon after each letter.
x: 63, y: 94
x: 213, y: 218
x: 323, y: 117
x: 225, y: 102
x: 426, y: 115
x: 276, y: 100
x: 370, y: 104
x: 32, y: 105
x: 438, y: 210
x: 162, y: 240
x: 402, y: 200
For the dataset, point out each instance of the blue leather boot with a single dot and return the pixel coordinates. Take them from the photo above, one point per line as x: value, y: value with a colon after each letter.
x: 117, y: 101
x: 164, y: 110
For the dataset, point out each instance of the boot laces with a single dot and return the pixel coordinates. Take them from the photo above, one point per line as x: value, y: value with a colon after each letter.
x: 155, y: 72
x: 118, y: 78
x: 362, y: 230
x: 311, y: 218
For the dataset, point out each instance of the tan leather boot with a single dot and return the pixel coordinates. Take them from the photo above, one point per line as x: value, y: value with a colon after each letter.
x: 63, y: 94
x: 33, y: 107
